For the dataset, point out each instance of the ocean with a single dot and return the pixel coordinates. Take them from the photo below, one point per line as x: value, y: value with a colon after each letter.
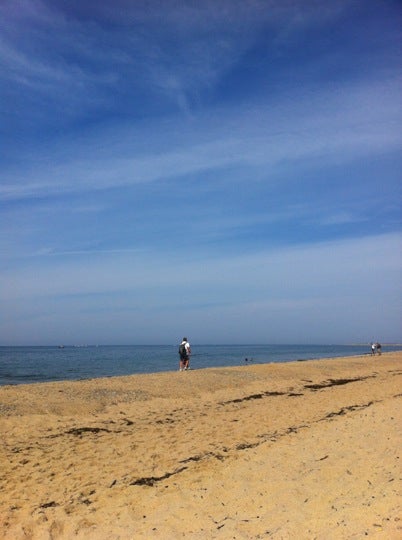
x: 22, y: 365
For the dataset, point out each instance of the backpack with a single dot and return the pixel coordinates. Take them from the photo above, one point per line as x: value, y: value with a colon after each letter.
x: 183, y: 350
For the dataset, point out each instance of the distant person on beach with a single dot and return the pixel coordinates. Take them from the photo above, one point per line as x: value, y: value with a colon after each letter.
x: 376, y: 348
x: 184, y: 354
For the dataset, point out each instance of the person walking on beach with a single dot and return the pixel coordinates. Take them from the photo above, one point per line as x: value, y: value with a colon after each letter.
x: 376, y: 348
x: 184, y: 353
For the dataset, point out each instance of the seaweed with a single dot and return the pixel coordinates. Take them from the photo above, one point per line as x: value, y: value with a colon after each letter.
x: 152, y: 480
x: 80, y: 431
x: 335, y: 382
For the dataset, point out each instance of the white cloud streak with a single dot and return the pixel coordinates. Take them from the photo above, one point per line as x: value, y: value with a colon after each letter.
x: 174, y: 50
x: 328, y: 126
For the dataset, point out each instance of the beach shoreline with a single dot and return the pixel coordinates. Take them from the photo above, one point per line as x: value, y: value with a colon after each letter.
x: 30, y: 365
x: 278, y: 450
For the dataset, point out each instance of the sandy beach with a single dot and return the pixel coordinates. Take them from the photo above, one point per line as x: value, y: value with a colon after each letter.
x: 297, y: 450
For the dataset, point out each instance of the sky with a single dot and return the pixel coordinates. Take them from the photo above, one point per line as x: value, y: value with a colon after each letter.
x: 225, y: 170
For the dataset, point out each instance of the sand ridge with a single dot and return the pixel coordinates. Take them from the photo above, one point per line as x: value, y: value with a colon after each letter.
x: 303, y: 449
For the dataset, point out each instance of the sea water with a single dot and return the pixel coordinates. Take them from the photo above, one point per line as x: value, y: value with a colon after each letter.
x: 21, y: 365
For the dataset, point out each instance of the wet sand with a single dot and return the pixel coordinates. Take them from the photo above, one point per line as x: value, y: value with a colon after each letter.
x: 298, y: 450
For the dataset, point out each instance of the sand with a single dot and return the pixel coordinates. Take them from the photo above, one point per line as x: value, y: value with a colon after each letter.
x: 298, y: 450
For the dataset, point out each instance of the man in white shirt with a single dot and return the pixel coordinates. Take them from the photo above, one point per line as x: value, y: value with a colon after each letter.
x: 184, y: 353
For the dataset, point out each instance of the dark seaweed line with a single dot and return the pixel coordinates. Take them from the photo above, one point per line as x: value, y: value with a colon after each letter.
x: 253, y: 396
x: 317, y: 386
x: 269, y: 437
x: 336, y: 382
x: 152, y: 480
x: 342, y: 411
x: 273, y: 437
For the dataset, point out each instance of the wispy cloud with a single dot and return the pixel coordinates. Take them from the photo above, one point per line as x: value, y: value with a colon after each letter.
x: 176, y: 50
x: 328, y: 126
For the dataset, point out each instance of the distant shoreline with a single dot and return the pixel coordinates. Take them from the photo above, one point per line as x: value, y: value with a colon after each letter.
x: 79, y: 346
x: 244, y: 365
x: 31, y: 365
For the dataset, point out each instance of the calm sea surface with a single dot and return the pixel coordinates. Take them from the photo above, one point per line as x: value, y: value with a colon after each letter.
x: 21, y: 365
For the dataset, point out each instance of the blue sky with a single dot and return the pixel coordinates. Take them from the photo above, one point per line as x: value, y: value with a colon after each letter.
x: 226, y: 170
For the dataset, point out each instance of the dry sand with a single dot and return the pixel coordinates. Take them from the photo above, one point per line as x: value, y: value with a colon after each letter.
x: 299, y: 450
